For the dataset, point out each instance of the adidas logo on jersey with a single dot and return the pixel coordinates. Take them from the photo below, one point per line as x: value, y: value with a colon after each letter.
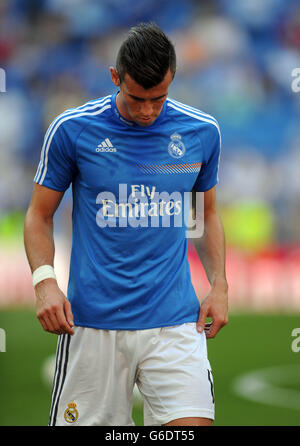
x: 106, y: 146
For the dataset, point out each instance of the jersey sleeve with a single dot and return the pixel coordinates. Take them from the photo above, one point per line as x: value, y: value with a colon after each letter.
x: 57, y: 165
x: 208, y: 175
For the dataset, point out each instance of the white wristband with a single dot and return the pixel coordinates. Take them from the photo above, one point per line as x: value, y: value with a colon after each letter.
x: 41, y: 273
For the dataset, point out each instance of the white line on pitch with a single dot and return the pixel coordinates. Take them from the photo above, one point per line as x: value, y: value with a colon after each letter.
x: 267, y: 386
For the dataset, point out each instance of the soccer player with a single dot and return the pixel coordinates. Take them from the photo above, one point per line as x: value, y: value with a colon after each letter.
x: 131, y: 314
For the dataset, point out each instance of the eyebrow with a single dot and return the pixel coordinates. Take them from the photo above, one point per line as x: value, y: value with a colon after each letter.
x: 143, y: 99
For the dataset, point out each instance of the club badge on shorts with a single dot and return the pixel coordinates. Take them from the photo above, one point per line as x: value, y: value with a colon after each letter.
x: 71, y: 413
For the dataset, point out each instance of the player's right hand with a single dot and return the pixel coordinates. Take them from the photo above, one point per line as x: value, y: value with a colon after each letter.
x: 53, y: 309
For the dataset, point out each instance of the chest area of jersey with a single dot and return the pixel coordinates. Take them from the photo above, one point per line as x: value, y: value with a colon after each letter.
x: 148, y: 162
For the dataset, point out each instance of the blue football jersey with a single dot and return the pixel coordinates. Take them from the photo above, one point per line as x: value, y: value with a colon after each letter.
x: 129, y: 267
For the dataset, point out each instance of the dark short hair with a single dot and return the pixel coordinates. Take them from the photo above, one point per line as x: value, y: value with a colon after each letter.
x: 146, y: 55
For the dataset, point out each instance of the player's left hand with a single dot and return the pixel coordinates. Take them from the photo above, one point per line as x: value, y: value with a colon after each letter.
x: 214, y: 306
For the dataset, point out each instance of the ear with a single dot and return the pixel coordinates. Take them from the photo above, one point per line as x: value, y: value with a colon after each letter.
x: 114, y: 76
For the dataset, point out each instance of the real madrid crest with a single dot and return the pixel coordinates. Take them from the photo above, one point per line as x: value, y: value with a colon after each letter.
x: 71, y: 413
x: 176, y: 148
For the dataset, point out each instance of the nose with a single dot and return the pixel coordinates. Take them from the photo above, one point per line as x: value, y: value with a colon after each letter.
x: 146, y: 109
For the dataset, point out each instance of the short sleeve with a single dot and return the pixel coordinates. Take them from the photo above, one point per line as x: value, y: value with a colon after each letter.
x: 57, y: 165
x: 208, y: 175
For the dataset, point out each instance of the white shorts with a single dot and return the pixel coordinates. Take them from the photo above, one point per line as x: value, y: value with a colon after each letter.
x: 96, y: 371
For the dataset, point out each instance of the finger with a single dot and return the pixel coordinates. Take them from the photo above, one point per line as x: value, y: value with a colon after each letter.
x: 68, y: 313
x: 47, y: 323
x: 55, y: 320
x: 43, y: 323
x: 213, y: 329
x: 202, y: 319
x: 62, y: 321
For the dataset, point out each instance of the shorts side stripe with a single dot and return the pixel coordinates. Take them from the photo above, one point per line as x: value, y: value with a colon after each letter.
x: 211, y: 385
x: 64, y: 372
x: 56, y: 378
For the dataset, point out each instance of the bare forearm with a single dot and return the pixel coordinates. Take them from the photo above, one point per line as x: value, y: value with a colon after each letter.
x: 52, y: 307
x: 211, y: 250
x: 38, y: 239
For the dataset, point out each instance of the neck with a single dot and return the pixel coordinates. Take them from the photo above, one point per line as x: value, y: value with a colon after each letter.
x: 121, y: 108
